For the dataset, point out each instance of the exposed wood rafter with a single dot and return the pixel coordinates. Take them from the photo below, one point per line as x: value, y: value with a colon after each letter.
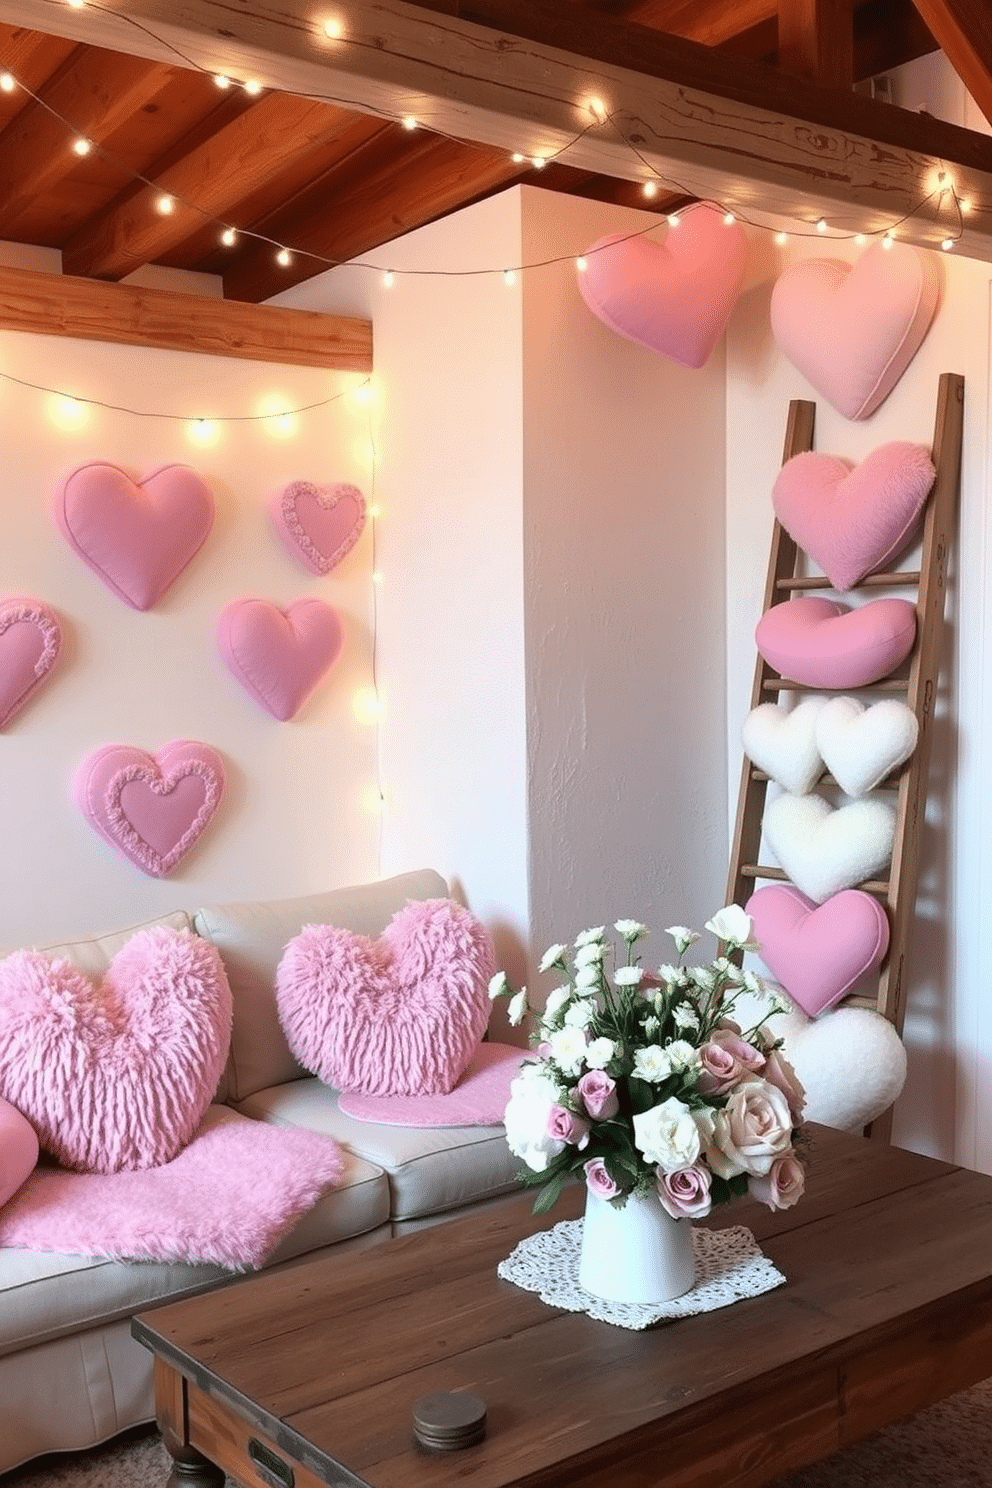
x: 816, y: 40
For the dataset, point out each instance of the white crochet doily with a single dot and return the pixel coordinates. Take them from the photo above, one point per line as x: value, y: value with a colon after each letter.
x: 729, y: 1266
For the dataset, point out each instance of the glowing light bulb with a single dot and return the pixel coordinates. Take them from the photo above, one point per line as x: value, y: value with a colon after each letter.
x: 509, y: 277
x: 284, y: 258
x: 821, y: 225
x: 68, y: 413
x: 781, y: 238
x: 409, y: 122
x: 517, y: 158
x: 229, y: 237
x: 387, y: 279
x: 887, y: 240
x: 597, y: 108
x: 253, y: 87
x: 947, y: 244
x: 333, y: 29
x: 221, y: 81
x: 202, y: 431
x: 860, y: 240
x: 82, y: 146
x: 165, y: 205
x: 964, y: 205
x: 674, y: 220
x: 7, y: 83
x: 581, y: 264
x: 365, y: 705
x: 377, y: 577
x: 649, y: 189
x: 538, y: 162
x: 729, y: 219
x: 375, y: 510
x: 76, y: 4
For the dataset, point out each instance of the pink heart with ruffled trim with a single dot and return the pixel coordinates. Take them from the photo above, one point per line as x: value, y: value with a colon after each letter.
x: 319, y: 524
x: 280, y: 656
x: 152, y: 808
x: 818, y: 952
x: 30, y: 640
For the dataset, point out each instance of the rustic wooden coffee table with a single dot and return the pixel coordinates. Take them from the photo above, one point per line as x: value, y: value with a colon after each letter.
x: 309, y: 1375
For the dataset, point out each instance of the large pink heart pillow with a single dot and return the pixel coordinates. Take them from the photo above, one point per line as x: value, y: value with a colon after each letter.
x: 18, y: 1149
x: 818, y: 952
x: 117, y: 1074
x: 280, y: 656
x: 674, y: 297
x: 30, y: 641
x: 152, y: 808
x: 319, y: 524
x: 821, y: 643
x: 853, y: 329
x: 136, y: 536
x: 853, y: 522
x: 401, y: 1015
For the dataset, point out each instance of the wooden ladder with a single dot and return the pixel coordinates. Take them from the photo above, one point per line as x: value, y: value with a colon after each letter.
x: 915, y: 681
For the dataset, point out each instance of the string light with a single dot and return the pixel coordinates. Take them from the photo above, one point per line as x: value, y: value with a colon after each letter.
x: 509, y: 277
x: 253, y: 87
x: 649, y: 189
x: 729, y: 219
x: 539, y: 162
x: 598, y: 109
x: 821, y: 225
x: 887, y: 240
x: 674, y: 219
x: 387, y: 279
x: 82, y: 146
x: 333, y: 29
x: 7, y: 82
x: 221, y: 81
x: 947, y: 244
x: 409, y: 122
x: 517, y: 158
x: 781, y: 238
x: 166, y: 205
x: 284, y: 258
x: 228, y: 237
x: 581, y: 264
x: 860, y: 240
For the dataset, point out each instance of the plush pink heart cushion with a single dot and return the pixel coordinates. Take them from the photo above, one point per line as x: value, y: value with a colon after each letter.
x: 152, y: 808
x: 319, y: 524
x: 136, y: 536
x: 852, y: 522
x: 115, y: 1075
x: 18, y: 1149
x: 818, y: 952
x: 853, y: 329
x: 401, y: 1015
x: 30, y: 641
x: 280, y: 656
x: 821, y: 643
x: 674, y: 297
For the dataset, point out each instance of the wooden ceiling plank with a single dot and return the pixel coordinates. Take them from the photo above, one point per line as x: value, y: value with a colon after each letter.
x: 963, y: 29
x: 816, y: 40
x: 516, y: 75
x: 58, y: 305
x: 249, y: 150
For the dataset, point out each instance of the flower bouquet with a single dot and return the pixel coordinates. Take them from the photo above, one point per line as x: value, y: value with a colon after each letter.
x: 645, y: 1080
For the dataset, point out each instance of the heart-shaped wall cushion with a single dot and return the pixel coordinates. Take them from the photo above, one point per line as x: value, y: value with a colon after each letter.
x: 854, y: 522
x: 30, y: 641
x: 860, y: 746
x: 137, y: 536
x: 783, y: 743
x: 280, y: 656
x: 823, y: 849
x: 818, y: 952
x: 821, y: 643
x: 853, y: 329
x: 674, y: 297
x: 152, y: 808
x: 851, y: 1063
x: 115, y: 1074
x: 319, y: 524
x: 401, y: 1015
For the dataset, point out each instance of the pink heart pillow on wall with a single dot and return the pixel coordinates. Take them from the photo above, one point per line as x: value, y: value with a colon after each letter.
x: 279, y: 656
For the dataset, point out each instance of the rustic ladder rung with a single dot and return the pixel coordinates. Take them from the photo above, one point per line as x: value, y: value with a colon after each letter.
x: 765, y: 870
x: 898, y: 579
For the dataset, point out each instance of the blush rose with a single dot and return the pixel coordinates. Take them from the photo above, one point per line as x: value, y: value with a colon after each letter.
x: 598, y: 1094
x: 686, y: 1192
x: 752, y: 1130
x: 782, y: 1186
x: 598, y: 1180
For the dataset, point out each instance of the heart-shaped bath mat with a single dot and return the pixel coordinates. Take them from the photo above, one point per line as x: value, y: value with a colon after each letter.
x: 823, y: 849
x: 319, y: 524
x: 30, y: 641
x: 280, y: 656
x: 860, y: 746
x: 152, y: 808
x: 853, y: 329
x: 823, y: 644
x: 674, y: 297
x: 851, y: 1063
x: 854, y: 522
x: 137, y: 536
x: 818, y: 952
x: 117, y: 1074
x: 783, y: 743
x: 401, y: 1015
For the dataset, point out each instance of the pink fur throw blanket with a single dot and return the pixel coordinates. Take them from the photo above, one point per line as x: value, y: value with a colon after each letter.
x: 228, y: 1199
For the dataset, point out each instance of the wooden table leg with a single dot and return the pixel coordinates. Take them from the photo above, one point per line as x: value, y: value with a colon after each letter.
x: 190, y: 1469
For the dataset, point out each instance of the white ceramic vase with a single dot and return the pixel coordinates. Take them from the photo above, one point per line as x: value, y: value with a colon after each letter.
x: 635, y: 1254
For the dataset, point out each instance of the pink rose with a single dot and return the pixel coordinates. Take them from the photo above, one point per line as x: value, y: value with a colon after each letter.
x: 752, y: 1130
x: 781, y: 1186
x: 779, y: 1072
x: 565, y: 1126
x: 598, y: 1094
x: 686, y: 1192
x: 598, y: 1180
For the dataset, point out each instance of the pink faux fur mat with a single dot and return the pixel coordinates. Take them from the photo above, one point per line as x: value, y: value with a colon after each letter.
x: 227, y: 1199
x: 479, y: 1098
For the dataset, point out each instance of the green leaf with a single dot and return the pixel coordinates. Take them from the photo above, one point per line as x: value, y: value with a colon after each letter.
x: 550, y: 1194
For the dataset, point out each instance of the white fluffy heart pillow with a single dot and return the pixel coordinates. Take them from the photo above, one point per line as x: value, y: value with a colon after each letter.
x: 824, y: 850
x: 783, y: 743
x: 860, y: 745
x: 851, y: 1062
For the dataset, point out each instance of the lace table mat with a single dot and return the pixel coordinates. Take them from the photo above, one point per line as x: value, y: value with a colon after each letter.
x: 729, y: 1266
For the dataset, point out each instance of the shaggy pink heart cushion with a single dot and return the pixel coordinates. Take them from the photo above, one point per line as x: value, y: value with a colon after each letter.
x: 117, y: 1074
x: 319, y: 524
x: 674, y: 297
x: 280, y: 656
x: 853, y: 329
x: 401, y: 1015
x: 852, y: 522
x: 818, y: 952
x: 18, y: 1149
x: 821, y: 643
x: 30, y: 641
x: 136, y: 536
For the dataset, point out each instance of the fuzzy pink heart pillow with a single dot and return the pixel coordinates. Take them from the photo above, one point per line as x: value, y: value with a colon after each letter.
x: 853, y: 329
x: 821, y: 643
x: 18, y: 1150
x: 674, y: 297
x: 401, y: 1015
x: 319, y: 524
x: 853, y: 522
x: 280, y: 656
x: 30, y: 641
x: 136, y: 536
x: 152, y: 808
x: 115, y: 1075
x: 818, y: 952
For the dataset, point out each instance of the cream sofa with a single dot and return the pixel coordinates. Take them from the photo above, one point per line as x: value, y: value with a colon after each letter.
x: 70, y: 1373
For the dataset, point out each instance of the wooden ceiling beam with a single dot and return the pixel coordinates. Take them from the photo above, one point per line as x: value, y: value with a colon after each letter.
x: 816, y: 40
x: 963, y: 29
x: 515, y: 75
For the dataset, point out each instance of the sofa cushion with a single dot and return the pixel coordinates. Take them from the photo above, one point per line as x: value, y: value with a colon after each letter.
x: 251, y: 938
x: 94, y: 953
x: 430, y: 1169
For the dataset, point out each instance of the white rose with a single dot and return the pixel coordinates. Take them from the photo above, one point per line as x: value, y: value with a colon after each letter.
x: 568, y: 1049
x: 681, y: 1054
x: 600, y: 1052
x: 558, y: 998
x: 652, y: 1064
x: 532, y: 1095
x: 752, y: 1130
x: 580, y: 1014
x: 671, y: 1135
x: 552, y: 954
